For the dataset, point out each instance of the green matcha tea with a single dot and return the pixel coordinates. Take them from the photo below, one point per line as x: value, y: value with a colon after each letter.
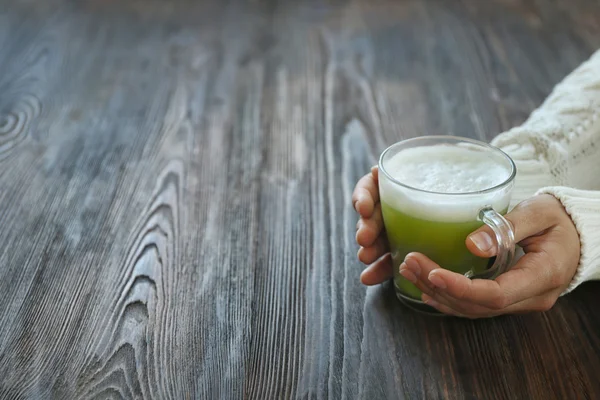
x: 443, y: 242
x: 431, y: 197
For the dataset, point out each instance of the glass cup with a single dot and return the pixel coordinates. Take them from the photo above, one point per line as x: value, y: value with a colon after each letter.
x: 438, y: 223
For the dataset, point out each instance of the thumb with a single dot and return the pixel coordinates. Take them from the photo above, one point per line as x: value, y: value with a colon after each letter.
x: 527, y: 219
x: 482, y: 242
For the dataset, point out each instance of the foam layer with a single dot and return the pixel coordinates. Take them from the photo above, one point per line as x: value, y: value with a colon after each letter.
x: 445, y: 169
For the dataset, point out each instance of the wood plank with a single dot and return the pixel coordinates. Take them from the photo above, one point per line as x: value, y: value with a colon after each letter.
x: 175, y: 182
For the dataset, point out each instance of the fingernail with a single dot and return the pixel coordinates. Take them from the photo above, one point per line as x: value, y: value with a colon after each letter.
x: 405, y: 272
x: 428, y: 300
x: 437, y: 281
x: 413, y: 266
x: 482, y: 241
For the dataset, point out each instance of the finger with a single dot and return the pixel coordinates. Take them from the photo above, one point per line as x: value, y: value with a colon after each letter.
x: 528, y: 218
x: 540, y: 303
x: 462, y: 307
x: 368, y: 255
x: 527, y: 279
x: 441, y: 306
x: 378, y: 272
x: 474, y: 303
x: 424, y: 288
x: 375, y: 172
x: 365, y: 195
x: 410, y: 270
x: 369, y: 229
x: 415, y: 274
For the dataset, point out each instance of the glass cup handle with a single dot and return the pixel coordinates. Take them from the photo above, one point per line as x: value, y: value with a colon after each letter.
x: 505, y: 238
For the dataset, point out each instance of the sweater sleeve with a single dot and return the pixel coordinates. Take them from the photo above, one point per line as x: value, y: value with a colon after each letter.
x: 559, y: 144
x: 584, y: 208
x: 557, y: 151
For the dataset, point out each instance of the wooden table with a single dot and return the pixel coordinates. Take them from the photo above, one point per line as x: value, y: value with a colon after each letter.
x: 175, y: 182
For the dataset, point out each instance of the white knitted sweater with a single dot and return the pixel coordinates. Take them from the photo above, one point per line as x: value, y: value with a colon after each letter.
x: 557, y: 151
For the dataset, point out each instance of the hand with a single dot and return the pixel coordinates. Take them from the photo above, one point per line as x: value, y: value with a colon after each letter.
x: 370, y: 232
x: 552, y: 249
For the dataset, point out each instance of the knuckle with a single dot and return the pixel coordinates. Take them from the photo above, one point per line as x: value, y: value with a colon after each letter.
x: 557, y: 275
x: 371, y: 225
x: 545, y: 304
x: 526, y: 208
x: 535, y: 209
x: 364, y: 228
x: 363, y: 255
x: 557, y: 280
x: 498, y: 302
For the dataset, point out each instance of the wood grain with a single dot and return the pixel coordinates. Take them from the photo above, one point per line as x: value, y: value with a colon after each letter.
x: 175, y: 182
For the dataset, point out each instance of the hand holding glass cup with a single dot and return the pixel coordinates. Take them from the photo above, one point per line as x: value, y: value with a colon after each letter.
x: 436, y: 190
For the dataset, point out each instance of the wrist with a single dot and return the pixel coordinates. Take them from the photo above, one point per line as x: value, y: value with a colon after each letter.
x: 583, y: 209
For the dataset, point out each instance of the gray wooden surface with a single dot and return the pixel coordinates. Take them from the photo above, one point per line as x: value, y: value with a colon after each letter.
x: 175, y: 181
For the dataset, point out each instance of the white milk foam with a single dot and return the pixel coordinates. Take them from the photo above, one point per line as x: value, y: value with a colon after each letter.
x: 445, y: 169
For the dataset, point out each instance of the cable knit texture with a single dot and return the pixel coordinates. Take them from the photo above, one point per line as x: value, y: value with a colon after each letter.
x: 557, y: 151
x: 584, y: 208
